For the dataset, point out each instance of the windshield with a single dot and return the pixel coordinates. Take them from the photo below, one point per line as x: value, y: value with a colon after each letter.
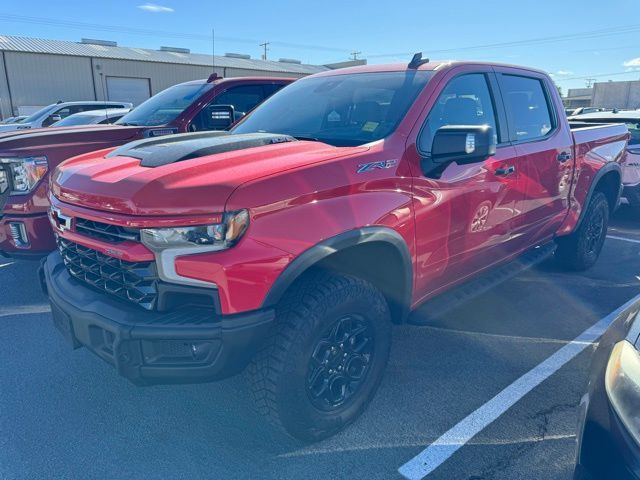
x: 165, y: 106
x: 341, y: 110
x: 74, y: 120
x: 34, y: 116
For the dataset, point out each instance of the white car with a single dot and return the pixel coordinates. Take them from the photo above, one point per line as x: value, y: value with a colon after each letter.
x: 93, y: 117
x: 17, y: 119
x: 631, y: 166
x: 47, y: 116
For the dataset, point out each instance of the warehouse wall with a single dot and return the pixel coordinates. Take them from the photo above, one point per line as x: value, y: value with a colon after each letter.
x: 6, y: 109
x: 624, y: 95
x: 38, y: 79
x: 161, y: 75
x: 240, y: 72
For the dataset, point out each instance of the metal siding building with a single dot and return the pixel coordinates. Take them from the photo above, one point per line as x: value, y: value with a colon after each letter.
x: 36, y: 72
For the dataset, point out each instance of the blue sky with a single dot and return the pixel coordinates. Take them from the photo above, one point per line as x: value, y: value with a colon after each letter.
x: 327, y: 31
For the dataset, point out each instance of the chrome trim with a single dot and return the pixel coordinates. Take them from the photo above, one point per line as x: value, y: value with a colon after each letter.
x: 166, y: 264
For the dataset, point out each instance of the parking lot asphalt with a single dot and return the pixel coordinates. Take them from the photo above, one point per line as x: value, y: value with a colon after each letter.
x: 66, y: 414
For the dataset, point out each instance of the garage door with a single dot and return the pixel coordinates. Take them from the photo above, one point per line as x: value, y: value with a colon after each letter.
x: 127, y: 89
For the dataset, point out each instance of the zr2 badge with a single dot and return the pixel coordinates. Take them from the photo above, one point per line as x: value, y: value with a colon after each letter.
x: 368, y: 167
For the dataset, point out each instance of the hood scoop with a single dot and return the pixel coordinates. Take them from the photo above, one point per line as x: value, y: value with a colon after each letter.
x: 156, y: 152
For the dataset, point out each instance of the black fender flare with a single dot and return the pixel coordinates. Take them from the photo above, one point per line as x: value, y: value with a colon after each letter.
x: 608, y: 167
x: 350, y: 238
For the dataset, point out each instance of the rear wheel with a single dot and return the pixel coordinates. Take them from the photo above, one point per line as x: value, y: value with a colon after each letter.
x: 325, y: 359
x: 581, y: 249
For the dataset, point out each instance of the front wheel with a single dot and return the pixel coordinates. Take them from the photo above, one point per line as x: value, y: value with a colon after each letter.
x: 326, y: 357
x: 581, y: 249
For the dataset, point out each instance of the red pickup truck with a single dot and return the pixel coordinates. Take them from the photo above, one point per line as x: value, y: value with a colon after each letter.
x: 294, y: 242
x: 26, y: 156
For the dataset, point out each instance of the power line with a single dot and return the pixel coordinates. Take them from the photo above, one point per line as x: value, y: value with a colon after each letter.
x: 354, y: 55
x: 155, y: 33
x: 600, y: 75
x: 605, y: 32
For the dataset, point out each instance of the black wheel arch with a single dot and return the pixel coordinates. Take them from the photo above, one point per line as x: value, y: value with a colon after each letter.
x: 397, y: 287
x: 601, y: 184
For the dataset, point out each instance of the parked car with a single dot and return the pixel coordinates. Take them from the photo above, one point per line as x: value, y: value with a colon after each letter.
x: 47, y: 116
x: 365, y: 192
x: 609, y: 424
x: 583, y: 110
x: 28, y: 156
x: 93, y: 117
x: 631, y: 165
x: 17, y: 119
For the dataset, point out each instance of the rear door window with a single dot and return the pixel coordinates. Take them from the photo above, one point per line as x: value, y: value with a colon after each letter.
x: 527, y: 107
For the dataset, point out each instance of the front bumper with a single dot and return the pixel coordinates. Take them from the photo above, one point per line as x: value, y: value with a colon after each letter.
x: 37, y: 232
x: 631, y: 195
x: 185, y: 345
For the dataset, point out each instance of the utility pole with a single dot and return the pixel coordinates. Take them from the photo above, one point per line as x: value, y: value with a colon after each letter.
x: 355, y: 55
x: 589, y: 82
x: 265, y: 44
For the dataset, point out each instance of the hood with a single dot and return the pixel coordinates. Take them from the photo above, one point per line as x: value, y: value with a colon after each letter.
x: 10, y: 127
x: 118, y: 182
x: 59, y: 144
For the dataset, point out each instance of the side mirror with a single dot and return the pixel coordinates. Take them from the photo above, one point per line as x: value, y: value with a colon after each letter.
x: 51, y: 119
x: 463, y: 144
x: 219, y: 117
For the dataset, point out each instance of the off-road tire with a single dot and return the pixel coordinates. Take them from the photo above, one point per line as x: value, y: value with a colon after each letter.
x: 280, y: 372
x: 580, y: 250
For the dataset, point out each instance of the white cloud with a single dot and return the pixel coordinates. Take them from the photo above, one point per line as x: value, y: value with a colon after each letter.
x: 564, y: 72
x: 634, y: 62
x: 155, y: 8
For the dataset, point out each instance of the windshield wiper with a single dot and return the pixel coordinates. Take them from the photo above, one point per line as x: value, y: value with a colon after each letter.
x: 308, y: 139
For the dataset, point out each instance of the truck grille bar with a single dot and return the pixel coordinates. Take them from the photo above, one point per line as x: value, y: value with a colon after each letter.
x: 106, y: 231
x: 135, y: 282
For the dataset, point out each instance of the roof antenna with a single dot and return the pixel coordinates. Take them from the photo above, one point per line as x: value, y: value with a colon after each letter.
x: 417, y: 60
x: 213, y: 75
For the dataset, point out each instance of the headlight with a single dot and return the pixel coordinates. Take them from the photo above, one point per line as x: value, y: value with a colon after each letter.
x: 622, y: 382
x: 25, y: 173
x: 218, y: 236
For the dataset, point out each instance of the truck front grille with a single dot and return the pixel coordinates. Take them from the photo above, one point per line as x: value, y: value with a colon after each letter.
x: 107, y: 232
x: 135, y: 282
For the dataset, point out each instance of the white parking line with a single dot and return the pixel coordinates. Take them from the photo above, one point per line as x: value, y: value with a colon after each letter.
x: 632, y: 240
x: 25, y: 310
x: 455, y: 438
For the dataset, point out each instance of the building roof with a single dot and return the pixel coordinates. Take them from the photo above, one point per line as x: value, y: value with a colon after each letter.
x: 60, y: 47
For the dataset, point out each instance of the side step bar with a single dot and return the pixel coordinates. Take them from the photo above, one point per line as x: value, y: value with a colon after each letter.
x: 481, y: 284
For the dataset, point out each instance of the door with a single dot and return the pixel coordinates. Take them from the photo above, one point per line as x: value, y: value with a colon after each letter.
x: 128, y: 89
x: 544, y: 146
x: 463, y: 214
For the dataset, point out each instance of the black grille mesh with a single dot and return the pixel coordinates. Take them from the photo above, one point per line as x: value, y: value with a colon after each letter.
x: 135, y: 282
x: 106, y: 231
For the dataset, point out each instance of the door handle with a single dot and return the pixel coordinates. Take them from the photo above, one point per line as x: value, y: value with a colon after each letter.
x: 564, y: 156
x: 505, y: 171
